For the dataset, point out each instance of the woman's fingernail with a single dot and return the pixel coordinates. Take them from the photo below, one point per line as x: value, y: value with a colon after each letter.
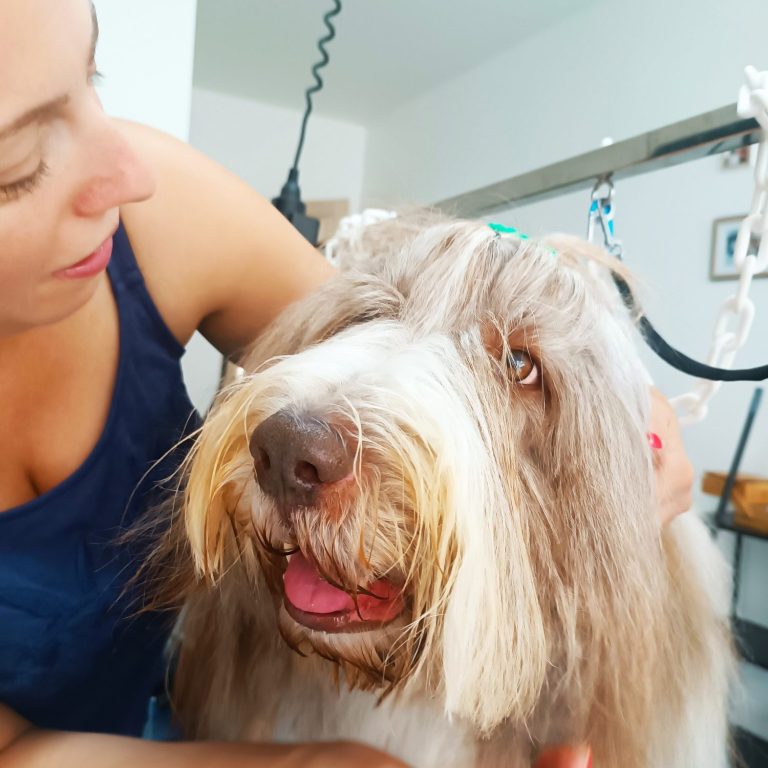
x: 654, y: 441
x: 565, y: 757
x: 582, y: 758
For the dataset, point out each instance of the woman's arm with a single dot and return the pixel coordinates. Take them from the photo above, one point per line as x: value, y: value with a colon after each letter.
x: 215, y: 254
x: 22, y: 746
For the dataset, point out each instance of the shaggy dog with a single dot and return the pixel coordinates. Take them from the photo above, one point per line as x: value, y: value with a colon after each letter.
x: 425, y: 519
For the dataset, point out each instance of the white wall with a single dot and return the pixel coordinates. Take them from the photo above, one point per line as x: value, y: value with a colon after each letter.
x: 258, y: 143
x: 616, y: 69
x: 146, y: 51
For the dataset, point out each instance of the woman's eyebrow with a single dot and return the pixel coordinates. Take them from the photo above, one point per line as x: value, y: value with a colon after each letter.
x: 42, y: 112
x: 53, y: 107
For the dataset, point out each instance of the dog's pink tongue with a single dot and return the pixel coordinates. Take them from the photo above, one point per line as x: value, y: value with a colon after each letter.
x: 310, y: 592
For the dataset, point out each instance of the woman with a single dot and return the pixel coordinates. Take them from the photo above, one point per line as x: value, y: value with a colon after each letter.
x: 92, y: 395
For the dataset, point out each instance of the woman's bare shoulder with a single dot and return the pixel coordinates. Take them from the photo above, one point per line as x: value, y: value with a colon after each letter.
x: 215, y: 254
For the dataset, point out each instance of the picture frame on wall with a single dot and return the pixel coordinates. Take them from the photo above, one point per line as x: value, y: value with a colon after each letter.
x: 724, y: 233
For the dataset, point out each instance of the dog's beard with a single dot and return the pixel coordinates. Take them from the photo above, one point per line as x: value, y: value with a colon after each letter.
x: 365, y: 537
x: 370, y: 659
x: 359, y: 551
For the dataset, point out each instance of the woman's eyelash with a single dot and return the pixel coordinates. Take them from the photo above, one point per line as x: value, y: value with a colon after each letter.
x: 94, y: 75
x: 13, y: 191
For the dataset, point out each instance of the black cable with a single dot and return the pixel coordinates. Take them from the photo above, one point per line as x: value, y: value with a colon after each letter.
x: 289, y: 202
x: 688, y: 365
x: 679, y: 360
x: 650, y: 335
x: 316, y: 72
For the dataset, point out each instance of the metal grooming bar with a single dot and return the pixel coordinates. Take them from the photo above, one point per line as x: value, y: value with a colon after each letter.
x: 711, y: 133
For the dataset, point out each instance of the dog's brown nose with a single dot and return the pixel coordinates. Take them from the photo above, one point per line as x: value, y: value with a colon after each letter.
x: 296, y: 456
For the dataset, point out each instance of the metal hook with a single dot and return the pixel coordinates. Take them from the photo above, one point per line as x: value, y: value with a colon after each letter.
x: 601, y: 211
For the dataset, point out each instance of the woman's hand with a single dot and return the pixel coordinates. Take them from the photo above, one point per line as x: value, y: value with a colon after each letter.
x: 674, y: 472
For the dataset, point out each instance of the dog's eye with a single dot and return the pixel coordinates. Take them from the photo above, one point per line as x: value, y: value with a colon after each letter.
x: 522, y: 367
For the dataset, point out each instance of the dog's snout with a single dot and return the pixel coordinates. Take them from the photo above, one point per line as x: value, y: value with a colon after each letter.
x: 296, y: 456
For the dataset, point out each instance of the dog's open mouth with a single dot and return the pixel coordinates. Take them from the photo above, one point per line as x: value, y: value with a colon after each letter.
x: 313, y: 602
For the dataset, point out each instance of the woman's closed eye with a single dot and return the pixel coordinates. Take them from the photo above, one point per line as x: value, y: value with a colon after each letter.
x: 15, y: 189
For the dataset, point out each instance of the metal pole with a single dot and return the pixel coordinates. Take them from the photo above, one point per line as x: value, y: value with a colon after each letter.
x: 711, y: 133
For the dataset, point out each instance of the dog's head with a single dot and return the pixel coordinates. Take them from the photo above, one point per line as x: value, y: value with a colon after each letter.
x: 438, y: 464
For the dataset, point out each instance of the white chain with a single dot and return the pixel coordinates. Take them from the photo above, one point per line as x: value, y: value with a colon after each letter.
x: 738, y: 311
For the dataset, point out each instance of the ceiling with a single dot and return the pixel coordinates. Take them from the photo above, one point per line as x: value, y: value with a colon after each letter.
x: 385, y: 51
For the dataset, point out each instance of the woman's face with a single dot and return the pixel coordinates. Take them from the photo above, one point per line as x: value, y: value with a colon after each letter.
x: 64, y: 168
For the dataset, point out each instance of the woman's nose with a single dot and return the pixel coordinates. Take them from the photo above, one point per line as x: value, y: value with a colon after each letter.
x: 116, y: 174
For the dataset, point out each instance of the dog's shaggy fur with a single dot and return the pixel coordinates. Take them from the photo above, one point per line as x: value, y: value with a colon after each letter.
x: 543, y: 605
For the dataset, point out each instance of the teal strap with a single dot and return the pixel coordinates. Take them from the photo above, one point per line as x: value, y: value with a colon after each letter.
x: 502, y: 229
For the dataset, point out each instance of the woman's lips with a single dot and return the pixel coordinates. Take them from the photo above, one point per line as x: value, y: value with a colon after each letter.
x: 91, y: 265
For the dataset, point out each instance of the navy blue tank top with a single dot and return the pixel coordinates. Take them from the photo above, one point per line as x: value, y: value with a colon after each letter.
x: 75, y: 654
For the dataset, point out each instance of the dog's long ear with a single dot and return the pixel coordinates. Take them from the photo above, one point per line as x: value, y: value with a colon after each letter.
x: 564, y: 567
x: 494, y: 650
x: 622, y: 647
x: 559, y: 600
x: 494, y: 642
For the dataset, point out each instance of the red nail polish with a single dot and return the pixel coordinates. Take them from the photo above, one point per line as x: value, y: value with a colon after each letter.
x: 654, y: 441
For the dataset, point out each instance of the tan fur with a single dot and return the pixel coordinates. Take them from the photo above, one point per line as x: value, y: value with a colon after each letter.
x: 545, y: 605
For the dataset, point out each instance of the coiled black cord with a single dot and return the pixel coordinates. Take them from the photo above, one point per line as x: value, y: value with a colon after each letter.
x: 321, y: 43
